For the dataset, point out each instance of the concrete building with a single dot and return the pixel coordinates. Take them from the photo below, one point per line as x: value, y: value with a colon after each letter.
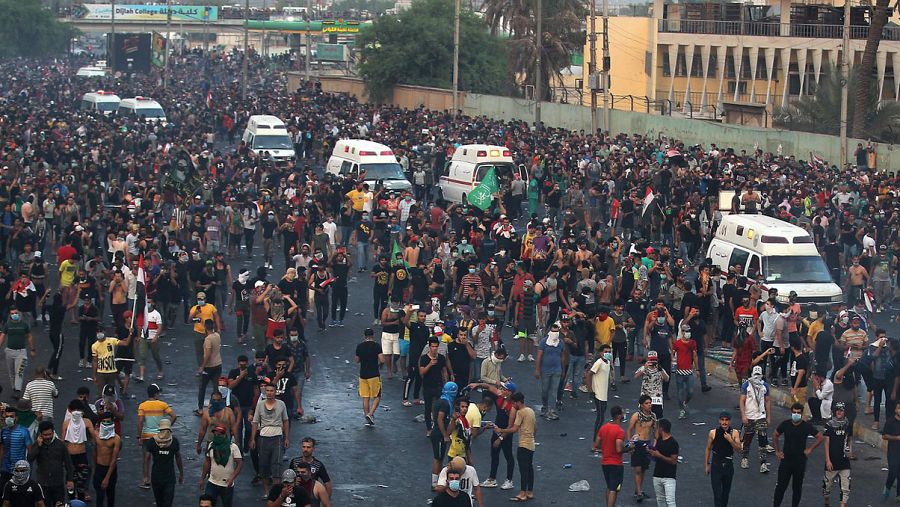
x: 692, y: 57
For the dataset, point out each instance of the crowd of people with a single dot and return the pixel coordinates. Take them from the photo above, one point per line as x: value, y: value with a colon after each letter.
x: 574, y: 272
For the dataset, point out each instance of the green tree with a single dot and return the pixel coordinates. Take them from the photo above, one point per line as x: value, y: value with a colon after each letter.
x: 28, y: 29
x: 820, y: 111
x: 562, y: 36
x: 866, y: 69
x: 415, y: 47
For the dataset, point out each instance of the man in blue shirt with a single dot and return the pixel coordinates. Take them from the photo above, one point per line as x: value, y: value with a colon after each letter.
x: 16, y: 441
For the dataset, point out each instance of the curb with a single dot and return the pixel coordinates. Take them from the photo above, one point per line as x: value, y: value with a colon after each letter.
x: 781, y: 398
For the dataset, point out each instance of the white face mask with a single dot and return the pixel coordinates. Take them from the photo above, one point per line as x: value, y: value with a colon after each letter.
x: 243, y: 277
x: 553, y: 335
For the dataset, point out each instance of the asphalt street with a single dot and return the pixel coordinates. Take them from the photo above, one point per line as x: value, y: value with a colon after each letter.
x: 390, y: 463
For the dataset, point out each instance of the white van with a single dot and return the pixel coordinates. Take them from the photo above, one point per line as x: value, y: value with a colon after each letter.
x: 470, y: 163
x: 784, y: 253
x: 104, y: 102
x: 267, y: 133
x: 144, y: 108
x: 375, y: 162
x: 91, y: 71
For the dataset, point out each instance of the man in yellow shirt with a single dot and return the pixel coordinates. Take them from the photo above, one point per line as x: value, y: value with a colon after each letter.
x: 200, y: 313
x: 357, y: 198
x: 103, y: 354
x: 814, y: 324
x: 604, y: 327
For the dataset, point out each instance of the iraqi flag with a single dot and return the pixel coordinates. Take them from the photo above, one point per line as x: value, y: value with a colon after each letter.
x: 209, y: 100
x: 139, y: 313
x: 648, y: 200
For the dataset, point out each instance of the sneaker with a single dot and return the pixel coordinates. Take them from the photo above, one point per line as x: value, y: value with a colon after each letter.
x: 138, y: 379
x: 638, y: 497
x: 521, y: 358
x: 530, y: 358
x: 553, y: 416
x: 885, y: 494
x: 769, y: 449
x: 332, y: 323
x: 613, y: 386
x: 681, y: 414
x: 763, y: 468
x: 745, y: 463
x: 490, y: 483
x: 705, y: 389
x: 376, y: 322
x: 568, y: 387
x: 583, y: 388
x: 369, y: 420
x: 507, y: 484
x: 340, y: 323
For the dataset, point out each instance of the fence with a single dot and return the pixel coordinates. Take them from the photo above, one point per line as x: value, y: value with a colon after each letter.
x: 768, y: 29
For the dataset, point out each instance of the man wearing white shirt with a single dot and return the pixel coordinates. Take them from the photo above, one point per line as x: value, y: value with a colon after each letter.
x: 330, y: 228
x: 468, y: 482
x: 820, y: 405
x: 149, y: 343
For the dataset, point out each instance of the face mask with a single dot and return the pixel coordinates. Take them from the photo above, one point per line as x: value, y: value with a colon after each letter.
x: 856, y: 263
x: 215, y: 406
x: 295, y: 338
x: 607, y: 356
x: 20, y: 477
x: 472, y: 270
x: 107, y: 430
x: 201, y: 302
x: 796, y: 417
x: 242, y: 278
x: 687, y: 336
x: 660, y: 320
x: 10, y: 422
x: 490, y: 313
x: 219, y: 439
x: 553, y: 335
x: 453, y: 485
x: 15, y: 317
x: 495, y: 359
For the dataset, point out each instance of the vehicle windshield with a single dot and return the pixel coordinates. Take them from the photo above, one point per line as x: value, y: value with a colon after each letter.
x: 384, y: 171
x: 150, y: 112
x: 503, y: 170
x: 796, y: 269
x: 107, y: 106
x: 280, y: 142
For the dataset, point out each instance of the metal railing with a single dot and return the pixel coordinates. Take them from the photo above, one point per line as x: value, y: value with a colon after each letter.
x: 818, y: 31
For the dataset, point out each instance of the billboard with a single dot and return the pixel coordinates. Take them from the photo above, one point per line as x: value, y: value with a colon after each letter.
x: 158, y: 50
x: 331, y: 52
x: 180, y: 13
x: 132, y: 52
x: 340, y: 26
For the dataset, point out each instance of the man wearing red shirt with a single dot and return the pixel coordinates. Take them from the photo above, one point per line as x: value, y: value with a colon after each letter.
x: 611, y: 441
x: 685, y: 351
x: 745, y: 318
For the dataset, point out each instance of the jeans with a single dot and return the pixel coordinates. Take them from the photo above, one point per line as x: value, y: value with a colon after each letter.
x: 576, y: 370
x: 220, y: 492
x: 362, y: 254
x: 338, y: 302
x: 163, y: 493
x: 549, y: 383
x: 684, y: 386
x: 720, y: 475
x: 525, y: 457
x: 209, y: 375
x: 506, y: 447
x: 600, y: 409
x: 345, y: 230
x: 664, y: 487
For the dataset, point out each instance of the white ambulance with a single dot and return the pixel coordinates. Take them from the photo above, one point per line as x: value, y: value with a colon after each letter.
x: 267, y: 133
x: 104, y: 102
x: 144, y: 108
x: 376, y: 162
x: 470, y: 163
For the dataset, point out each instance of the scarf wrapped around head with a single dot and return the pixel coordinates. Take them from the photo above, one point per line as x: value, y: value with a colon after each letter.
x: 163, y: 438
x: 221, y: 448
x: 449, y: 393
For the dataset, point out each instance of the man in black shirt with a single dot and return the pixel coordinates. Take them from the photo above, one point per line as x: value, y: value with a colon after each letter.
x: 837, y: 453
x: 798, y: 369
x: 418, y: 340
x: 364, y: 232
x: 382, y: 274
x: 452, y: 496
x: 891, y: 434
x: 287, y: 493
x: 434, y: 370
x: 461, y: 354
x: 793, y: 456
x: 22, y: 490
x: 370, y: 358
x: 666, y: 454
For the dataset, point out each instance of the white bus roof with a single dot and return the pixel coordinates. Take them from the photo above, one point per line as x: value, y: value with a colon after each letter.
x: 476, y: 153
x: 139, y: 102
x: 265, y: 121
x: 102, y: 96
x: 356, y: 148
x: 765, y: 234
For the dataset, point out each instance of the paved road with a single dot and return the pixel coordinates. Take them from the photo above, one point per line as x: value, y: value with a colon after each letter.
x: 389, y: 464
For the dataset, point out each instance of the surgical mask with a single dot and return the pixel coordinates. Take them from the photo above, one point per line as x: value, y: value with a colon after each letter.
x: 16, y: 317
x: 856, y: 263
x: 201, y: 302
x: 660, y: 320
x: 295, y: 338
x: 607, y: 356
x: 107, y: 430
x: 472, y: 270
x: 796, y: 417
x: 10, y: 422
x: 453, y: 485
x: 490, y: 313
x: 495, y: 359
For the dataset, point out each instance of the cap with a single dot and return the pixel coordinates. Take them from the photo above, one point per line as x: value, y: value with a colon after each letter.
x: 201, y: 295
x: 724, y: 414
x: 38, y: 254
x: 650, y: 250
x: 288, y: 476
x: 510, y: 386
x: 259, y: 283
x: 839, y: 406
x: 438, y: 330
x: 165, y: 423
x: 109, y: 390
x: 369, y: 332
x: 153, y: 390
x: 652, y: 355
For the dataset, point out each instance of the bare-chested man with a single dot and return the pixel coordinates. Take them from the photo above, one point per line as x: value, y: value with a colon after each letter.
x: 76, y: 430
x: 107, y: 445
x: 118, y: 296
x: 641, y: 431
x: 216, y: 414
x: 857, y: 280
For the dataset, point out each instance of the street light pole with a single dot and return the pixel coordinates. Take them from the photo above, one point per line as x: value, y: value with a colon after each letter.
x: 111, y: 44
x: 845, y: 79
x: 539, y: 47
x: 592, y: 67
x: 206, y: 31
x: 606, y: 66
x: 456, y: 59
x: 166, y: 45
x: 245, y: 63
x: 308, y: 42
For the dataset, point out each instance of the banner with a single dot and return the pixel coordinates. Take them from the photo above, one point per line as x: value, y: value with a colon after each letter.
x: 180, y: 13
x: 132, y: 52
x: 331, y: 52
x: 158, y: 50
x: 340, y: 26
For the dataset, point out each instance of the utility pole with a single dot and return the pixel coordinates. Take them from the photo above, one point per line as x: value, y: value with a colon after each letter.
x: 592, y: 67
x: 606, y: 66
x: 206, y: 31
x: 456, y: 59
x: 845, y: 80
x: 111, y: 44
x: 308, y: 41
x: 539, y: 48
x: 166, y: 46
x: 245, y: 62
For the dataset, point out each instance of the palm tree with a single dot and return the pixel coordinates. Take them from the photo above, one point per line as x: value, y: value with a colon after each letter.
x: 820, y: 112
x: 867, y: 67
x: 562, y: 36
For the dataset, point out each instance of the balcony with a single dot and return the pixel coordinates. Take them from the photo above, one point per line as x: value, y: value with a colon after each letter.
x: 764, y: 29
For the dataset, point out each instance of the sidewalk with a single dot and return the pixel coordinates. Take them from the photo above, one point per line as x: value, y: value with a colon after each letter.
x: 781, y: 397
